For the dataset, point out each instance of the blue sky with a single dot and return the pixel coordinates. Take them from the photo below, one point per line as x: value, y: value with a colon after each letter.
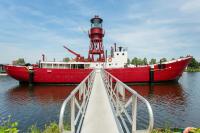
x: 149, y: 28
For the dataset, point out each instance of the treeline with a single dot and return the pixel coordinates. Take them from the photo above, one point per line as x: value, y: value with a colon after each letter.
x: 19, y: 61
x: 194, y: 66
x: 143, y: 61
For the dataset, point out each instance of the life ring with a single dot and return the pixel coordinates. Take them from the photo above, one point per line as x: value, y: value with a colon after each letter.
x: 110, y: 59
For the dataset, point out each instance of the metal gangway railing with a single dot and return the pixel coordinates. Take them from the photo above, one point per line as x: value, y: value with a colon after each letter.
x: 78, y: 98
x: 117, y: 94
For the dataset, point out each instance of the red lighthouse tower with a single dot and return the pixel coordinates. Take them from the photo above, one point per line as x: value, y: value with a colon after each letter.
x: 96, y: 35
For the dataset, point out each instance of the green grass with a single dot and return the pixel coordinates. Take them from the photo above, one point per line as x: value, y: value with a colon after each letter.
x: 189, y: 69
x: 51, y: 128
x: 7, y: 126
x: 175, y: 130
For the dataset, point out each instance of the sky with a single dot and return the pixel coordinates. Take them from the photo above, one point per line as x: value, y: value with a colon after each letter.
x: 149, y: 28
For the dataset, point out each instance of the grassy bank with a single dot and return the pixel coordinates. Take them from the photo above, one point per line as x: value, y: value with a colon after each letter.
x: 175, y: 130
x: 6, y: 126
x: 189, y: 69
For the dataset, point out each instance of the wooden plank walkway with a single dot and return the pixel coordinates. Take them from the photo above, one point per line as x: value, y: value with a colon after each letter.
x: 99, y: 117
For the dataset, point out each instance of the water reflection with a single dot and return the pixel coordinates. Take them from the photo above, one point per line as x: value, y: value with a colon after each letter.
x: 161, y: 89
x: 37, y: 105
x: 43, y: 94
x: 168, y: 101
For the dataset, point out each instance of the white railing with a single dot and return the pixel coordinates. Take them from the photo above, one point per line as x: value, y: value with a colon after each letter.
x: 117, y: 94
x: 82, y: 93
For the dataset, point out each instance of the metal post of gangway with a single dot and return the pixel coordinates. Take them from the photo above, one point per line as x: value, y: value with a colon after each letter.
x: 83, y: 90
x: 117, y: 94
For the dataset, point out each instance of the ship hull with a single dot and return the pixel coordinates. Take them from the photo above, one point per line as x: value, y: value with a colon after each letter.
x: 167, y: 72
x: 47, y: 75
x: 170, y: 72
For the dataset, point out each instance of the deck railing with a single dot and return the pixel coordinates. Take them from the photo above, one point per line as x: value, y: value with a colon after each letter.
x: 78, y: 98
x: 117, y: 94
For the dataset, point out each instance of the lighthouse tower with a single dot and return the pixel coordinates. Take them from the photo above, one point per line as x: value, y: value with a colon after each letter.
x: 96, y: 34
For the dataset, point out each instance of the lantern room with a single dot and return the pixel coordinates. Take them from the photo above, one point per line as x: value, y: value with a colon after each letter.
x: 96, y: 22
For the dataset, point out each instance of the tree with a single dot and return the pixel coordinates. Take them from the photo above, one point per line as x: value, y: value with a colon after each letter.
x: 193, y: 63
x: 153, y: 61
x: 134, y: 61
x: 19, y: 61
x: 66, y: 59
x: 140, y: 61
x: 145, y: 62
x: 173, y: 59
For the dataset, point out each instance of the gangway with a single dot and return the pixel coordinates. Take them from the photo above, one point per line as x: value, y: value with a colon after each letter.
x: 105, y: 105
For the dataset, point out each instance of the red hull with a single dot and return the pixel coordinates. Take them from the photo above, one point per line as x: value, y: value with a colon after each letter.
x: 47, y: 75
x: 172, y: 71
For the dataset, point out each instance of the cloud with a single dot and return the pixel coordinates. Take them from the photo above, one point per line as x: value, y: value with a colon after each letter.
x: 148, y: 28
x: 191, y: 6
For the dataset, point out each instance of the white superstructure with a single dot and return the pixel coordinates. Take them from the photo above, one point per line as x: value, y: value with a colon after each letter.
x: 117, y: 59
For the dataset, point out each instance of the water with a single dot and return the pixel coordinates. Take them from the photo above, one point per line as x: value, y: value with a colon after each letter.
x: 174, y: 104
x: 37, y: 105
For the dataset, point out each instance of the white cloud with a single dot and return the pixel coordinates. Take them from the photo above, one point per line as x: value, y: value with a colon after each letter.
x: 148, y: 42
x: 152, y: 33
x: 191, y: 6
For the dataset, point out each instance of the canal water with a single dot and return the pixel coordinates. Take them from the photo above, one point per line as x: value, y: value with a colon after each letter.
x: 174, y: 104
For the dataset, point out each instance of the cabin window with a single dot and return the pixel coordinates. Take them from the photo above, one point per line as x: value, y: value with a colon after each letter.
x: 73, y: 66
x: 87, y: 65
x: 67, y: 66
x: 48, y: 65
x: 109, y: 64
x: 55, y: 65
x: 115, y: 64
x: 122, y: 53
x: 117, y: 53
x: 80, y: 66
x: 61, y: 66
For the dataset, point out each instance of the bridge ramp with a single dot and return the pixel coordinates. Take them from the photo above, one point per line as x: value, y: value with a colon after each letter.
x: 99, y: 116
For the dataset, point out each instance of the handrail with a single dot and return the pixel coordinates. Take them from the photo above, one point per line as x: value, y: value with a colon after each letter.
x: 83, y: 90
x: 119, y: 103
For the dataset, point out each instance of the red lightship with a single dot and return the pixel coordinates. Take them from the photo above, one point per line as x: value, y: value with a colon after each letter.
x: 77, y: 69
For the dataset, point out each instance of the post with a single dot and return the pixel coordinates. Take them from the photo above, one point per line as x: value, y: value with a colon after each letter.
x: 72, y: 115
x: 151, y: 74
x: 117, y: 94
x: 88, y: 83
x: 134, y: 113
x: 111, y: 88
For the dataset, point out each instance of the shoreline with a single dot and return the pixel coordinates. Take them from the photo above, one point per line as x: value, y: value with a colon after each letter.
x: 192, y: 70
x: 3, y: 74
